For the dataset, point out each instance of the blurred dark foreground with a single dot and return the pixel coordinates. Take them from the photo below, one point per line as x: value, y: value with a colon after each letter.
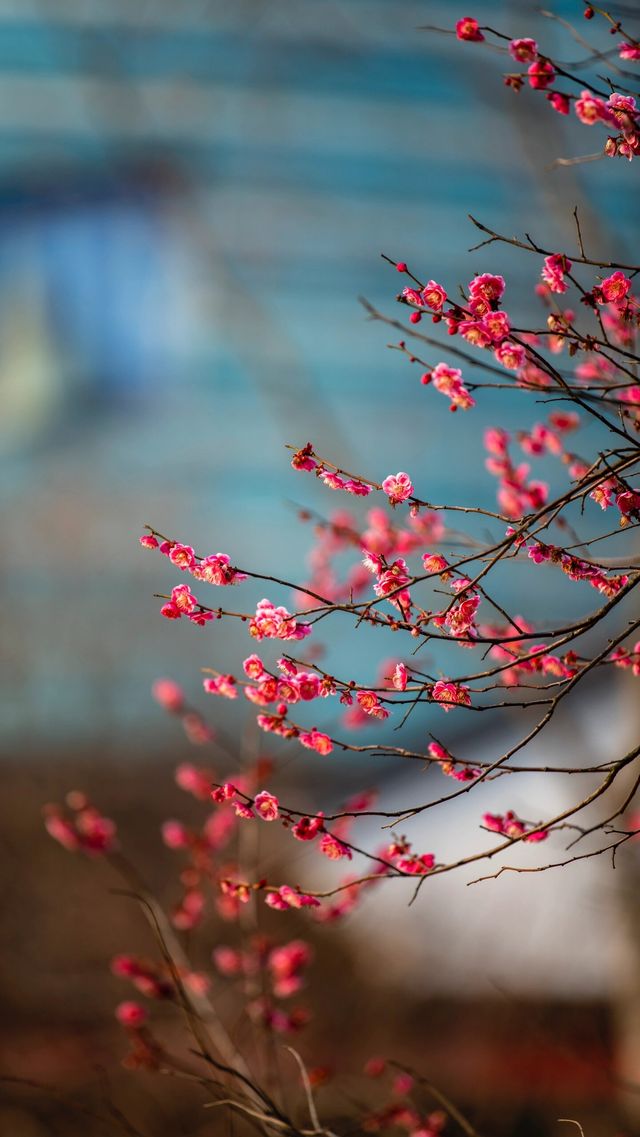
x: 514, y: 1066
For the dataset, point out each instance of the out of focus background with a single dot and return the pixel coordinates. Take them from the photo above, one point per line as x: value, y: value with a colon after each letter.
x: 192, y: 198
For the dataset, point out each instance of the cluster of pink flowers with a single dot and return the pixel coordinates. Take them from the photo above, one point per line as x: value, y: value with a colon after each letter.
x: 280, y: 968
x: 398, y: 1113
x: 546, y: 437
x: 391, y: 580
x: 380, y: 537
x: 611, y: 492
x: 286, y: 897
x: 449, y: 694
x: 350, y: 485
x: 448, y: 381
x: 577, y: 569
x: 371, y: 705
x: 627, y: 657
x: 448, y: 765
x: 184, y: 603
x: 81, y: 830
x: 554, y: 270
x: 518, y: 657
x: 481, y: 323
x: 146, y: 976
x: 283, y: 964
x: 432, y: 296
x: 401, y: 855
x: 224, y: 685
x: 459, y: 617
x: 509, y: 825
x: 516, y: 495
x: 214, y: 569
x: 270, y: 622
x: 618, y: 111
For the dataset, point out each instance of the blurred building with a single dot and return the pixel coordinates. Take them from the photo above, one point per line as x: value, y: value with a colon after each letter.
x: 191, y: 200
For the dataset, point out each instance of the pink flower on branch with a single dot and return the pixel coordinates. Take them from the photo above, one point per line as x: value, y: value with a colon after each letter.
x: 398, y: 487
x: 450, y: 694
x: 266, y: 806
x: 468, y: 29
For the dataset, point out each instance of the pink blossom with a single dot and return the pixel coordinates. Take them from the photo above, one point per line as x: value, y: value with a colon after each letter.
x: 131, y: 1015
x: 416, y: 865
x: 372, y: 562
x: 333, y: 848
x: 468, y: 28
x: 182, y: 556
x: 217, y: 569
x: 523, y: 50
x: 590, y: 109
x: 243, y: 811
x: 433, y: 295
x: 183, y: 599
x: 200, y: 617
x: 614, y: 288
x: 496, y: 440
x: 225, y: 792
x: 303, y: 460
x: 370, y: 704
x: 448, y: 381
x: 168, y: 694
x: 358, y: 488
x: 227, y: 960
x: 622, y: 108
x: 511, y: 826
x: 194, y: 780
x: 553, y: 272
x: 86, y: 831
x: 307, y: 828
x: 274, y: 900
x: 485, y: 291
x: 170, y: 612
x: 175, y: 835
x: 403, y: 1085
x: 332, y: 480
x: 295, y: 899
x: 560, y: 103
x: 397, y: 487
x: 315, y: 740
x: 270, y: 622
x: 399, y: 677
x: 434, y: 563
x: 148, y: 541
x: 253, y: 667
x: 629, y: 51
x: 448, y: 694
x: 497, y: 325
x: 474, y: 332
x: 413, y: 297
x: 266, y: 805
x: 628, y: 501
x: 564, y: 420
x: 541, y: 74
x: 308, y: 685
x: 288, y: 691
x: 221, y: 685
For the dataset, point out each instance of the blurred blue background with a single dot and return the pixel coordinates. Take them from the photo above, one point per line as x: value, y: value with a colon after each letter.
x: 192, y: 197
